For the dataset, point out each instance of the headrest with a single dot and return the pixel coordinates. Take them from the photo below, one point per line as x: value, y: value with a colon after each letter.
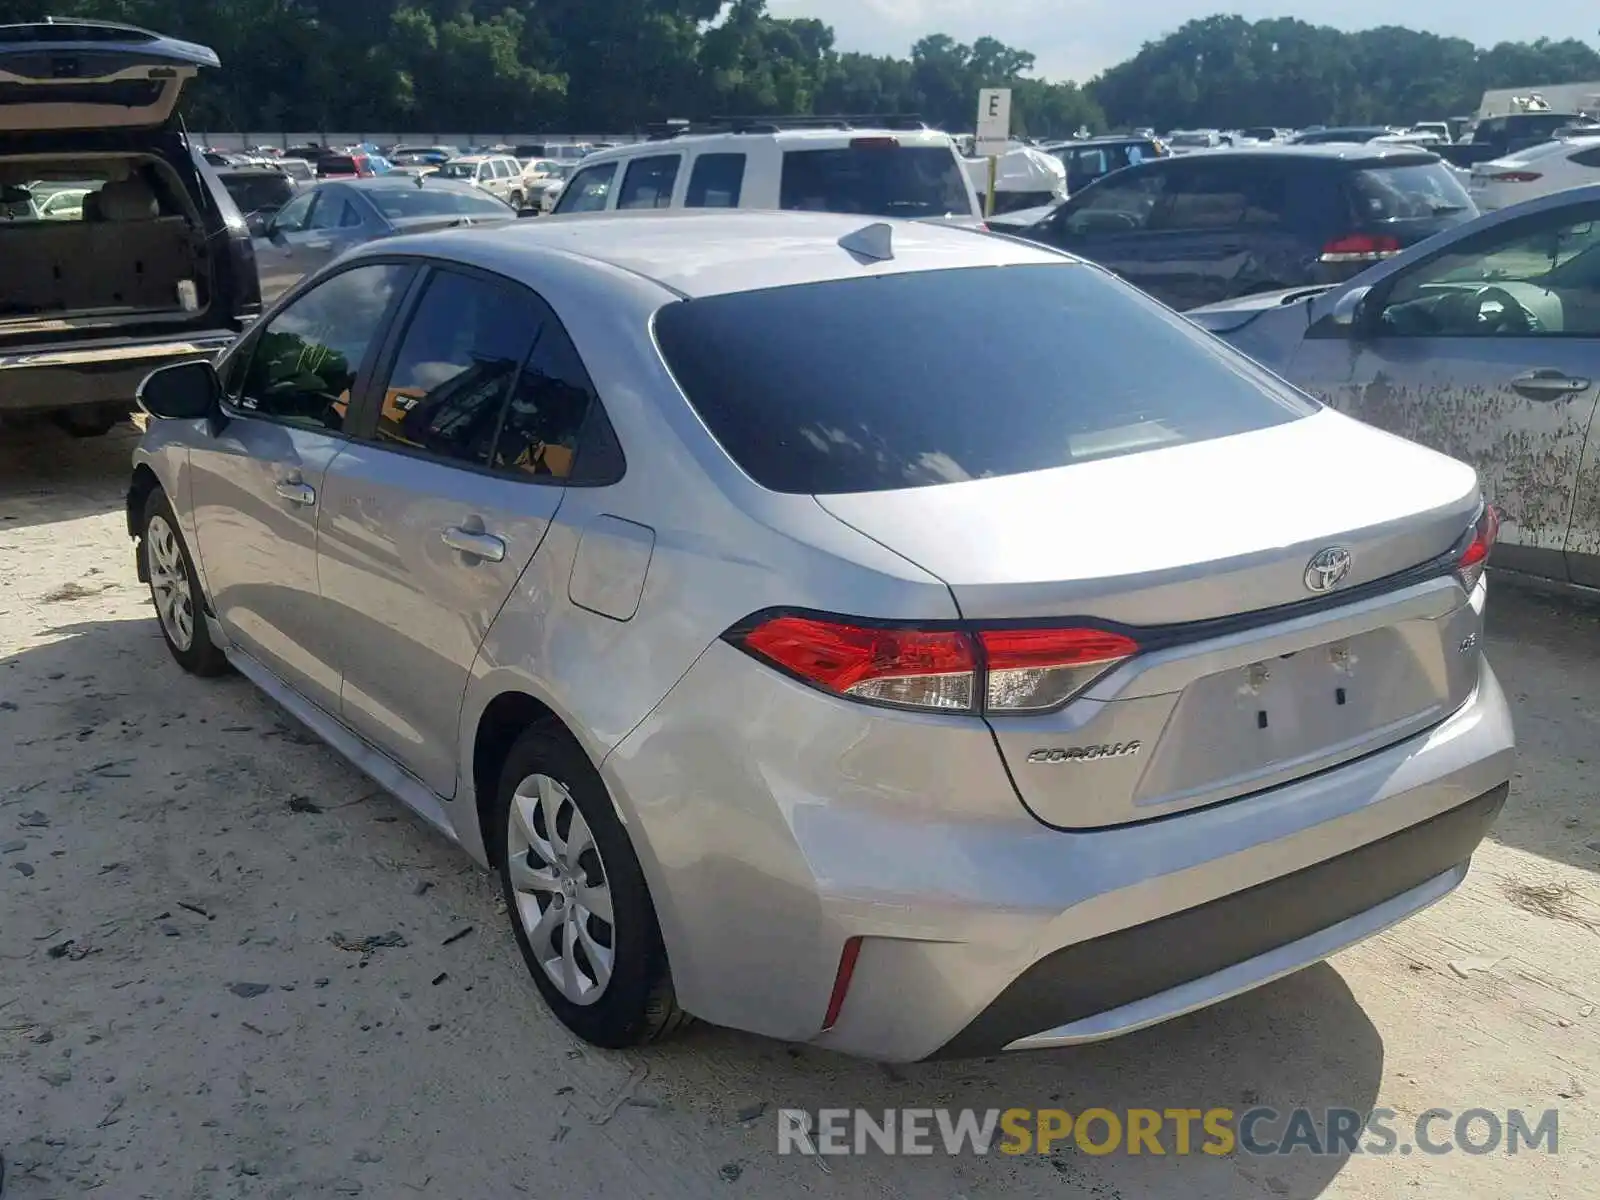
x: 128, y: 200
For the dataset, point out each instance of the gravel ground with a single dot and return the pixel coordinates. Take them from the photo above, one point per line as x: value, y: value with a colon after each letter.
x: 187, y: 1008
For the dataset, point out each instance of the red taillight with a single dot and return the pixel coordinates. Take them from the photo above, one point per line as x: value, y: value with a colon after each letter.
x: 1469, y: 567
x: 1360, y: 247
x: 997, y: 671
x: 1516, y: 177
x: 1032, y: 669
x: 841, y: 982
x: 874, y: 143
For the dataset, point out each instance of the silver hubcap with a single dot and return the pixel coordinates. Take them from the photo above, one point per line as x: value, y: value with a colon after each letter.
x: 169, y: 582
x: 562, y: 890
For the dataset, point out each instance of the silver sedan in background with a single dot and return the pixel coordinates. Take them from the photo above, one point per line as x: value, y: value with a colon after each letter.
x: 877, y: 635
x: 321, y: 223
x: 1482, y: 342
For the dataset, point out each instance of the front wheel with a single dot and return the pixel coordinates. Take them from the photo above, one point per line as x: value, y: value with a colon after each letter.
x: 579, y: 905
x: 516, y: 199
x: 175, y: 589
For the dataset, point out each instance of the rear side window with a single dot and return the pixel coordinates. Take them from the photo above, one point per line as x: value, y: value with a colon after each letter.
x: 259, y: 192
x: 1231, y: 197
x: 716, y: 181
x: 1408, y: 193
x: 880, y: 180
x: 588, y: 189
x: 901, y: 381
x: 649, y: 182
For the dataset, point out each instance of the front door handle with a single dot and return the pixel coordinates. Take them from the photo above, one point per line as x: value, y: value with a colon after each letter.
x: 296, y: 492
x: 479, y: 545
x: 1548, y: 384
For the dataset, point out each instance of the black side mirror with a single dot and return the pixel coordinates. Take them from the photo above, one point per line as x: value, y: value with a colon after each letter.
x: 257, y: 225
x: 184, y: 391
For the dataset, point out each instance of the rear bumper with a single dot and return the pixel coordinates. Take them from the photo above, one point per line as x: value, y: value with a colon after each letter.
x: 774, y: 825
x: 91, y: 373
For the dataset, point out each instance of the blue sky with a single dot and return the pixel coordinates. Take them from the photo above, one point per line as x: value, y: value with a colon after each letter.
x: 1074, y: 39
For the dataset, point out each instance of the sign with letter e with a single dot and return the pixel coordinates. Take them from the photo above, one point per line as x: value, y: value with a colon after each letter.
x: 994, y: 122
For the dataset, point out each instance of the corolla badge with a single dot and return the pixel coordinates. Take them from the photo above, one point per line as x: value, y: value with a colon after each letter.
x: 1327, y: 569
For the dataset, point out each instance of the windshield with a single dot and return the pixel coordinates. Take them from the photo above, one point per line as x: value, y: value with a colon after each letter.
x: 337, y: 164
x: 401, y: 203
x: 882, y: 179
x: 916, y: 379
x: 1408, y: 193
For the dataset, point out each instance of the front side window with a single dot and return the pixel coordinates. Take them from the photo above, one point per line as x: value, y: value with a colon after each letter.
x: 588, y: 189
x: 1537, y: 277
x: 1114, y: 206
x: 1222, y: 198
x: 332, y: 212
x: 303, y: 365
x: 461, y: 352
x: 291, y: 218
x: 649, y: 182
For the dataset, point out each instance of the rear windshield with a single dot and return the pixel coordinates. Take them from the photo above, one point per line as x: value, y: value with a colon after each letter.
x: 1409, y: 193
x: 258, y: 193
x: 398, y: 203
x: 879, y: 181
x: 902, y: 381
x: 338, y: 164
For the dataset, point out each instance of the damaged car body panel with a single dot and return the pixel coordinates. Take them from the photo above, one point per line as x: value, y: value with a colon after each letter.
x: 1483, y: 343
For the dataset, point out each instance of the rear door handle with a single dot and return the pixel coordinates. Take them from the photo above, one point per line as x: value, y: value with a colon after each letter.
x: 479, y: 545
x: 1548, y: 385
x: 296, y: 492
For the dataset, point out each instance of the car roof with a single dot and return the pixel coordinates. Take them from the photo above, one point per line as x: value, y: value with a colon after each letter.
x: 1364, y: 153
x: 825, y: 138
x: 707, y: 252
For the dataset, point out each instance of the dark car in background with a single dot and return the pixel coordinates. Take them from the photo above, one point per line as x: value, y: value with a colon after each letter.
x: 1198, y: 230
x: 154, y: 266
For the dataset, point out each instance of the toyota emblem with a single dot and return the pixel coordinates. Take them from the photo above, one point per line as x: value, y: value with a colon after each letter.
x: 1327, y: 569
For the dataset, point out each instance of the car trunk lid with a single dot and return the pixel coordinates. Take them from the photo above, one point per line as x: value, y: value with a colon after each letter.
x: 1205, y: 554
x: 75, y: 75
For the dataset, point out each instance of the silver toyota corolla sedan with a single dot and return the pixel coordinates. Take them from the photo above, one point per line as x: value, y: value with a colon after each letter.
x: 876, y: 635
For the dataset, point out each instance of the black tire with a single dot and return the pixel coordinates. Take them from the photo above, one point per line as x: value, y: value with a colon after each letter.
x: 638, y: 1004
x: 517, y: 200
x: 201, y: 656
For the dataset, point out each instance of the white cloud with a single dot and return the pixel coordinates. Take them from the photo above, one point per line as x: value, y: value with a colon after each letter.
x: 1075, y: 39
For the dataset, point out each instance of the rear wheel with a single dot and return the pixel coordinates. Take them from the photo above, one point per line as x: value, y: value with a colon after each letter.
x: 516, y: 200
x: 175, y: 589
x: 579, y: 905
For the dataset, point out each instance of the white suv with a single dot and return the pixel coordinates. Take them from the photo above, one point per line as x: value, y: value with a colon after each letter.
x: 910, y: 173
x: 498, y: 174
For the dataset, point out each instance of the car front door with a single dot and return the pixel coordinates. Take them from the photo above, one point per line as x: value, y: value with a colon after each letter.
x: 334, y: 227
x: 1488, y: 350
x: 256, y: 486
x: 432, y: 515
x: 276, y: 263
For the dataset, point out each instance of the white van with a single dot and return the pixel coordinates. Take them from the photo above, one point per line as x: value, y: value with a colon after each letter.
x: 907, y: 173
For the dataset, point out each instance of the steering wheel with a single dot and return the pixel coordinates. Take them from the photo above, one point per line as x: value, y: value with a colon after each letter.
x: 1512, y: 317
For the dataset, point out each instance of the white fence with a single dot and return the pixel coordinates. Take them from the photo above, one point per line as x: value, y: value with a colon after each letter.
x: 242, y: 141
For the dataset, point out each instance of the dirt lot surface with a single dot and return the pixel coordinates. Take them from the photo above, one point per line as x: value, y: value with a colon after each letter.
x: 183, y: 873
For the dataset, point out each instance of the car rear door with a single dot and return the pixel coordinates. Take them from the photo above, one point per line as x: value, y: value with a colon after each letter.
x: 66, y: 74
x: 1443, y: 352
x: 433, y: 514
